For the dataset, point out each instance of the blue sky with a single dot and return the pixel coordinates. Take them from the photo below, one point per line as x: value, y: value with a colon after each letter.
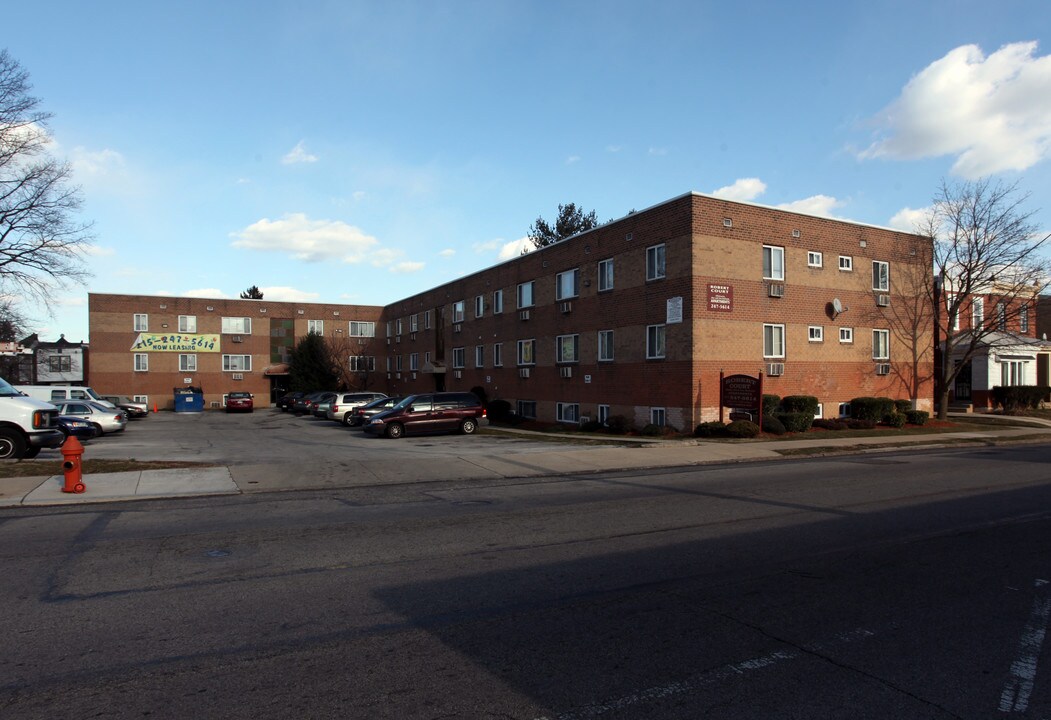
x: 362, y: 152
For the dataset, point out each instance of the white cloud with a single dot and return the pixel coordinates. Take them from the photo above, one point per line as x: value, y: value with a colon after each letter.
x: 515, y: 248
x: 298, y: 154
x: 572, y: 159
x: 614, y: 148
x: 744, y: 189
x: 281, y: 293
x: 406, y: 267
x: 206, y: 293
x: 385, y: 256
x: 815, y: 205
x: 658, y: 151
x: 993, y: 113
x: 91, y: 164
x: 97, y: 251
x: 447, y: 252
x: 306, y: 239
x: 70, y: 300
x: 908, y: 219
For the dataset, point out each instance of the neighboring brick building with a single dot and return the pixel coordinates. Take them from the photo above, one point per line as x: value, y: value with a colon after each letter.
x: 635, y: 318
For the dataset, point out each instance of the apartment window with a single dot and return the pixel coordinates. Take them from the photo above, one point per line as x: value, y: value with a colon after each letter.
x: 816, y: 333
x: 881, y: 344
x: 390, y: 328
x: 362, y: 329
x: 187, y: 323
x: 426, y: 358
x: 654, y: 342
x: 316, y: 326
x: 773, y: 341
x: 458, y: 357
x: 142, y: 362
x: 427, y: 320
x: 526, y: 409
x: 1001, y: 317
x: 414, y: 361
x: 605, y: 346
x: 567, y: 412
x: 813, y: 259
x: 566, y: 284
x: 880, y: 276
x: 237, y: 363
x: 1012, y: 372
x: 398, y: 325
x: 140, y: 322
x: 655, y: 262
x: 60, y: 363
x: 977, y: 312
x: 566, y: 347
x: 398, y: 359
x: 479, y: 306
x: 846, y: 335
x: 363, y: 363
x: 498, y: 302
x: 773, y: 262
x: 527, y: 352
x: 605, y: 275
x: 187, y: 363
x: 844, y: 409
x: 458, y: 311
x: 390, y: 363
x: 846, y: 263
x: 954, y: 316
x: 414, y: 322
x: 141, y: 398
x: 1023, y: 318
x: 237, y: 326
x: 479, y: 356
x: 525, y: 295
x: 658, y: 417
x: 498, y: 354
x: 603, y: 414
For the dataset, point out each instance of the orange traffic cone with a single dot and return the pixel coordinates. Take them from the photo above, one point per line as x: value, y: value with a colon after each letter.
x: 154, y: 407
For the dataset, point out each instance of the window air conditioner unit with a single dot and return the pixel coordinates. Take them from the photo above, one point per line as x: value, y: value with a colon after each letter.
x: 585, y: 419
x: 523, y: 372
x: 361, y: 342
x: 237, y: 338
x: 883, y: 300
x: 777, y: 290
x: 412, y: 336
x: 397, y: 338
x: 238, y: 376
x: 388, y: 341
x: 566, y: 371
x: 523, y: 315
x: 883, y: 369
x: 388, y: 376
x: 457, y: 374
x: 775, y: 369
x: 566, y: 307
x: 457, y: 327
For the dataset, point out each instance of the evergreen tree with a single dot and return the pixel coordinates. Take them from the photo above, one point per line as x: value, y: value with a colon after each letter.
x: 311, y: 367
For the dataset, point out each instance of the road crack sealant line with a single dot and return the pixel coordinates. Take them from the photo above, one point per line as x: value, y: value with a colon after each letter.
x: 1022, y: 676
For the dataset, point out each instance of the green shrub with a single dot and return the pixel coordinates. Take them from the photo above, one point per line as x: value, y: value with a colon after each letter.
x: 1016, y: 398
x: 499, y: 410
x: 796, y: 421
x: 710, y: 429
x: 871, y: 408
x: 859, y: 424
x: 742, y: 429
x: 902, y: 406
x: 652, y: 430
x: 617, y: 424
x: 771, y: 404
x: 800, y: 404
x: 591, y: 426
x: 894, y: 419
x: 773, y: 426
x: 830, y: 424
x: 917, y: 417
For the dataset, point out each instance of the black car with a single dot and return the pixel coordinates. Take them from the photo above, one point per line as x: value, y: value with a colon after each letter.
x: 286, y: 401
x: 78, y: 427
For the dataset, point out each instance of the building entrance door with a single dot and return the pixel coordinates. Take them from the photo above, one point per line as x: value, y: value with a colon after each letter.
x: 962, y: 389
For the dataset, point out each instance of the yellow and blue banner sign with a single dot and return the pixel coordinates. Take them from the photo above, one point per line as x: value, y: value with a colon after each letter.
x: 176, y: 342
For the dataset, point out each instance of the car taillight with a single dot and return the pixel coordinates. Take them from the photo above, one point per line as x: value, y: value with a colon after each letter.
x: 335, y: 408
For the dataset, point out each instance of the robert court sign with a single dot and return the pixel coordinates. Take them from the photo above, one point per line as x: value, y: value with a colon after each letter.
x: 741, y: 392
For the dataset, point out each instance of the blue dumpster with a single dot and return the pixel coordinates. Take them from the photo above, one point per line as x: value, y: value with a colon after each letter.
x: 189, y: 399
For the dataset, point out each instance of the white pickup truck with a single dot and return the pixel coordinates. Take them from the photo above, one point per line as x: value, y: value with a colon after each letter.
x: 26, y: 425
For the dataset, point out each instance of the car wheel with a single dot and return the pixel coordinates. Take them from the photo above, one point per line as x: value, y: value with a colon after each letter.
x: 99, y: 432
x: 395, y: 430
x: 12, y: 446
x: 468, y: 426
x: 346, y: 419
x: 30, y: 453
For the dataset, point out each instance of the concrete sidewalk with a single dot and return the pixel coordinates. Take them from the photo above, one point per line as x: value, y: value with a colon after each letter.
x: 560, y: 460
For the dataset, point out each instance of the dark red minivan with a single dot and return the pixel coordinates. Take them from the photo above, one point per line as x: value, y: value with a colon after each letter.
x: 430, y: 412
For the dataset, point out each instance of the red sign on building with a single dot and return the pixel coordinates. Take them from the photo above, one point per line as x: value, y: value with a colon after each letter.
x: 720, y: 298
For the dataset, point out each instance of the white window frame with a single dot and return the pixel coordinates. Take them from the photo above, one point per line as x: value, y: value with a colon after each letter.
x: 479, y: 306
x: 526, y: 298
x: 846, y: 335
x: 498, y: 354
x: 398, y: 326
x: 846, y: 263
x: 656, y: 267
x: 977, y: 312
x: 414, y: 361
x: 60, y: 363
x: 527, y: 352
x: 814, y: 259
x: 526, y: 409
x: 603, y: 414
x: 606, y: 351
x: 567, y: 348
x: 141, y: 362
x: 459, y: 357
x: 140, y: 322
x: 316, y: 326
x: 816, y: 333
x: 459, y: 309
x: 567, y: 412
x: 230, y: 325
x: 479, y: 356
x: 773, y: 341
x: 1023, y: 318
x: 355, y: 363
x: 567, y: 284
x: 498, y: 302
x: 658, y: 416
x: 188, y: 363
x: 881, y: 276
x: 881, y: 344
x: 605, y: 275
x: 1012, y: 373
x: 656, y: 342
x: 1001, y: 316
x: 427, y: 320
x: 414, y: 322
x: 229, y: 363
x: 773, y: 263
x: 361, y: 328
x: 188, y: 323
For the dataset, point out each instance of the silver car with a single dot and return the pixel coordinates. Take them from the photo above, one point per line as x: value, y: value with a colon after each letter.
x: 105, y: 420
x: 345, y: 402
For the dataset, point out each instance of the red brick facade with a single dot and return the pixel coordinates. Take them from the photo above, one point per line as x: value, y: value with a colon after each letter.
x: 711, y: 303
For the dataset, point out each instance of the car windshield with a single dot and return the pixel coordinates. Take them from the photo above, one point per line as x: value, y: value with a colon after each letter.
x: 405, y: 403
x: 6, y: 390
x: 92, y: 394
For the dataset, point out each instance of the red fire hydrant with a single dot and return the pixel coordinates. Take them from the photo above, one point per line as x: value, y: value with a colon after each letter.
x: 71, y: 451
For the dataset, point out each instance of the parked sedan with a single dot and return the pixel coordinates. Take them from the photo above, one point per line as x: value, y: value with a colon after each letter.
x: 360, y: 415
x: 343, y: 407
x: 285, y: 402
x: 134, y: 410
x: 79, y: 428
x: 239, y: 402
x: 319, y: 408
x: 105, y: 420
x: 305, y: 403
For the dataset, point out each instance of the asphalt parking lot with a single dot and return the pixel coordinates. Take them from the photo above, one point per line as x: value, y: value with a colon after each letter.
x: 271, y: 436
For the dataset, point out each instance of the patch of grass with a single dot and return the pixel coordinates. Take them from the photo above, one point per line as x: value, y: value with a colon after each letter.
x: 33, y: 468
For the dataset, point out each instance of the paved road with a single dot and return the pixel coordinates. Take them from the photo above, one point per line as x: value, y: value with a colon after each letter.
x: 904, y: 586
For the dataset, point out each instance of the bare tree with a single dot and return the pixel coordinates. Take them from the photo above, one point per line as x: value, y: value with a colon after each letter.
x: 910, y: 318
x: 352, y: 362
x: 986, y: 245
x: 41, y: 243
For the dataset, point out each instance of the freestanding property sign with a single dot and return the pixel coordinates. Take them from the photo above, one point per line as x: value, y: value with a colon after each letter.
x: 741, y: 392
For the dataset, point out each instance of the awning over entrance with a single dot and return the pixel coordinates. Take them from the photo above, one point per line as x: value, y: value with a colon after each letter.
x: 278, y: 369
x: 437, y: 368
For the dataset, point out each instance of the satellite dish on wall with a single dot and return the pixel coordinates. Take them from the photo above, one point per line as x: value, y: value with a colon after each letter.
x: 837, y: 307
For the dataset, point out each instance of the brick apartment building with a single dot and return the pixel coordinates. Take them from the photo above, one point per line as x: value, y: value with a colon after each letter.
x: 634, y: 318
